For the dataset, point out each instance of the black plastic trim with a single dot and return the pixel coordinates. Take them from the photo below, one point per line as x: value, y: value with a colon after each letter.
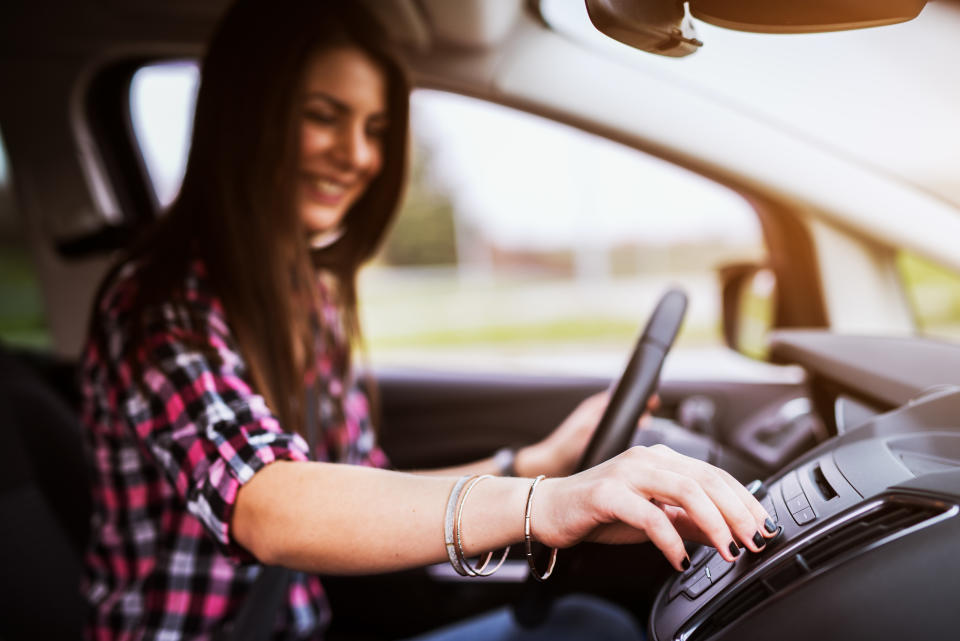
x: 819, y: 550
x: 106, y: 109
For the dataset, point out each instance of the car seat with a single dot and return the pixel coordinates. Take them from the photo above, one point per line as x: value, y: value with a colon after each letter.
x: 44, y: 499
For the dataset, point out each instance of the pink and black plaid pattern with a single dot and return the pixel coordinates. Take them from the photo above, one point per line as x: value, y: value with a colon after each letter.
x: 169, y: 452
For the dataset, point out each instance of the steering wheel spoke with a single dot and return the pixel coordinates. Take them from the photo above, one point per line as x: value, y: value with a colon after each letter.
x: 638, y: 382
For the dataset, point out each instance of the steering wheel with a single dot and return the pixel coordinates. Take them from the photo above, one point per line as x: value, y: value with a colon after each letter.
x: 638, y: 382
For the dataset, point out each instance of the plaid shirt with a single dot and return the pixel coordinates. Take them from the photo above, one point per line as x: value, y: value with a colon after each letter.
x: 169, y: 452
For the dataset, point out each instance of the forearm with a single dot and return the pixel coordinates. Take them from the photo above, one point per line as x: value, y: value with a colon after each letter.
x: 341, y: 519
x: 331, y: 518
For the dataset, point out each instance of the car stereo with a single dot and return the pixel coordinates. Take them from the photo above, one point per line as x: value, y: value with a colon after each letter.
x: 869, y: 548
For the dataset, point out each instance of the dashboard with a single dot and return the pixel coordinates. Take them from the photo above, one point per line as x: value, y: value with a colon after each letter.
x: 870, y: 540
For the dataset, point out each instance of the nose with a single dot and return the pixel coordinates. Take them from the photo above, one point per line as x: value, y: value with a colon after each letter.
x: 354, y: 148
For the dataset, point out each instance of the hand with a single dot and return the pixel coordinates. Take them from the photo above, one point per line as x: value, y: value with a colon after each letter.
x: 561, y: 451
x: 651, y: 494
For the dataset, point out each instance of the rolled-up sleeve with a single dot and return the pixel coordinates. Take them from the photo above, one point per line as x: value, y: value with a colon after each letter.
x: 200, y: 420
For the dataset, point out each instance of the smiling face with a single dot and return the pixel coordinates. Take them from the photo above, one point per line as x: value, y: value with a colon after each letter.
x: 341, y: 135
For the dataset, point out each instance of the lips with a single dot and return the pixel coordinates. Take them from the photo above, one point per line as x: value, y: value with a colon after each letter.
x: 324, y: 190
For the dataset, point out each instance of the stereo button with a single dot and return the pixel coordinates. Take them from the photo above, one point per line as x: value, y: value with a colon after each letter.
x: 790, y: 486
x: 698, y: 588
x: 797, y: 504
x: 804, y: 516
x: 701, y: 554
x: 717, y: 567
x: 685, y: 583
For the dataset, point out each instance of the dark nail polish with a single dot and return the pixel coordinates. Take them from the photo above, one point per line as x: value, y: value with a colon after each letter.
x: 685, y: 564
x: 770, y: 527
x: 758, y: 540
x: 734, y: 550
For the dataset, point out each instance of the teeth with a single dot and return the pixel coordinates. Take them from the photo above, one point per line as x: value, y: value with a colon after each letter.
x: 328, y: 187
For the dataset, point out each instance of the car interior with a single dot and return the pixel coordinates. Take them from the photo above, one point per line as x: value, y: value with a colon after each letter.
x: 837, y: 408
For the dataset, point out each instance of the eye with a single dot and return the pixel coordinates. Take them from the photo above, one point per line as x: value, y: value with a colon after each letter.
x: 320, y: 116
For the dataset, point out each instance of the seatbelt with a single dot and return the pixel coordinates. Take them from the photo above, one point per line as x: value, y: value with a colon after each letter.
x: 258, y: 614
x: 257, y: 617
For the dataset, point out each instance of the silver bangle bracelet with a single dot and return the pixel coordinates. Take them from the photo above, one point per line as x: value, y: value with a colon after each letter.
x: 528, y: 537
x: 480, y: 570
x: 448, y: 524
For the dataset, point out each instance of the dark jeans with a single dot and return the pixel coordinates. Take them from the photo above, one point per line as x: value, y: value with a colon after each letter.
x: 571, y: 618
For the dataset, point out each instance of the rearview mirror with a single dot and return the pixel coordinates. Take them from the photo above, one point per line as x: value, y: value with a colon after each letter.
x: 663, y: 26
x: 657, y: 26
x: 809, y: 16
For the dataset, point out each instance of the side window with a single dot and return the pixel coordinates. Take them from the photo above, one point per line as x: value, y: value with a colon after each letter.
x: 935, y: 294
x: 524, y: 244
x: 162, y: 100
x: 22, y: 320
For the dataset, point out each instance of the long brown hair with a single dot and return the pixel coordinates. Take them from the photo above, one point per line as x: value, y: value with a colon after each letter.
x: 236, y: 204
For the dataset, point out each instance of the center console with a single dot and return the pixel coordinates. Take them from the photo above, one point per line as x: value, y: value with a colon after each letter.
x: 869, y: 548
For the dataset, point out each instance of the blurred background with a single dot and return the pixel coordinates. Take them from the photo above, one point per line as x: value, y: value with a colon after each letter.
x: 526, y: 245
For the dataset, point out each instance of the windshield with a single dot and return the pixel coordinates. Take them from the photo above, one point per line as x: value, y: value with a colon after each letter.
x: 886, y: 97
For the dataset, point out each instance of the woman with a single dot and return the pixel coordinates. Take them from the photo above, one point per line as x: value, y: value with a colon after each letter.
x: 222, y: 342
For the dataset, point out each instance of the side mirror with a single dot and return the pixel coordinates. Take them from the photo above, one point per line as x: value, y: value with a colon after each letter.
x: 748, y: 292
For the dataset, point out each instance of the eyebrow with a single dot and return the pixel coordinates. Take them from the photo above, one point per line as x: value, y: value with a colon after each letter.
x: 339, y: 105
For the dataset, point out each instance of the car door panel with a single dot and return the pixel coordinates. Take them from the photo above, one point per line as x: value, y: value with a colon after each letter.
x: 477, y: 413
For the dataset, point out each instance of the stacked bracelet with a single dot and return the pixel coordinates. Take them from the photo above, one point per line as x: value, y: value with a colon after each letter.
x: 448, y: 525
x: 453, y: 538
x: 452, y: 534
x: 528, y: 537
x: 481, y: 569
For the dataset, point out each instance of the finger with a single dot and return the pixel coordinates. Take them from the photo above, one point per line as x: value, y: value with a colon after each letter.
x: 653, y: 403
x: 765, y: 524
x: 590, y: 409
x: 741, y: 520
x: 743, y: 523
x: 653, y: 522
x: 685, y: 526
x: 598, y: 397
x: 598, y: 402
x: 674, y: 488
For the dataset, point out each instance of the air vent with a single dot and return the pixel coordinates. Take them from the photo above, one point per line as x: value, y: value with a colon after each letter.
x: 847, y: 536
